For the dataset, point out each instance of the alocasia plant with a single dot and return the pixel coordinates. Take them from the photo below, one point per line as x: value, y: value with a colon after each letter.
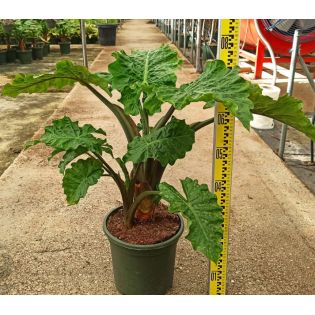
x: 146, y: 80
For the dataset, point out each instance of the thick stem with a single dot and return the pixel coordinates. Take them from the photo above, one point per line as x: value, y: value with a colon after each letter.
x: 163, y: 120
x: 198, y: 125
x: 138, y: 199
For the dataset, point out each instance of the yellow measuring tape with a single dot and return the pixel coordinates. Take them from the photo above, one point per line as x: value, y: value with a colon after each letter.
x: 223, y: 152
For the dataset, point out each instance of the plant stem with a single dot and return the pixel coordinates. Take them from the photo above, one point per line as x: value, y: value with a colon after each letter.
x: 138, y: 199
x: 163, y: 120
x: 126, y: 121
x: 200, y: 124
x: 119, y: 182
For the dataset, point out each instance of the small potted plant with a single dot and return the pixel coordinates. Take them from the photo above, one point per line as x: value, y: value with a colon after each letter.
x: 7, y: 28
x: 3, y: 52
x: 65, y: 29
x: 46, y: 25
x: 35, y: 31
x: 107, y: 32
x: 143, y: 232
x: 91, y: 31
x: 22, y: 31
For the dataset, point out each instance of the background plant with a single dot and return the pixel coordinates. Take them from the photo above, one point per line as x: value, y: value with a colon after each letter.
x: 24, y: 30
x: 146, y: 80
x: 65, y: 29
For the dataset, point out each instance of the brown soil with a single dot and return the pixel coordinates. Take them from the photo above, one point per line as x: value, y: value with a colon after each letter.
x: 162, y: 227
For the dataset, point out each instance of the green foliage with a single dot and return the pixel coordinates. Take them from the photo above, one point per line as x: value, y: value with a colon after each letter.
x: 204, y: 216
x: 27, y: 29
x: 143, y: 71
x: 68, y: 137
x: 286, y: 109
x: 166, y: 145
x: 78, y: 178
x: 66, y: 74
x: 66, y: 28
x: 216, y: 83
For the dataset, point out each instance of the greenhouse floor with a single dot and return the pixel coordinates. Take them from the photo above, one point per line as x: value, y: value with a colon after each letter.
x: 47, y: 247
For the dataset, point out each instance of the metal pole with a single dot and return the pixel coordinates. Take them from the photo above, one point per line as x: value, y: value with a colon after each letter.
x: 192, y: 41
x: 294, y: 53
x: 178, y: 32
x: 185, y: 37
x: 83, y: 38
x: 198, y: 44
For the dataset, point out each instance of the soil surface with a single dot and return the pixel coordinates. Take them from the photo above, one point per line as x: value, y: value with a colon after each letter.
x: 20, y: 118
x: 162, y: 227
x: 47, y: 247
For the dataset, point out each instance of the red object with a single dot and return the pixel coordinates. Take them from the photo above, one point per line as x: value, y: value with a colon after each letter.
x: 249, y: 35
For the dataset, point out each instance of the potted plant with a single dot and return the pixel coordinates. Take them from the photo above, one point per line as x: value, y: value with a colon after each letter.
x: 107, y: 32
x: 3, y: 52
x: 143, y: 249
x: 7, y: 28
x: 91, y: 31
x: 35, y: 31
x: 22, y: 32
x: 46, y: 25
x: 65, y: 29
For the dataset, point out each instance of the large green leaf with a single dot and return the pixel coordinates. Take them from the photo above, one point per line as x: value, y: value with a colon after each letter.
x: 143, y: 71
x: 204, y: 215
x: 286, y: 109
x: 78, y: 178
x: 66, y: 74
x: 65, y: 134
x: 166, y: 144
x: 216, y: 83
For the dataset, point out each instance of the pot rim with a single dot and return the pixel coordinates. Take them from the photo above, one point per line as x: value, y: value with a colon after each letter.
x: 141, y: 247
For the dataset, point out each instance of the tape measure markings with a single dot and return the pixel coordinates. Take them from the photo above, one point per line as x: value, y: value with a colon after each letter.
x: 223, y: 154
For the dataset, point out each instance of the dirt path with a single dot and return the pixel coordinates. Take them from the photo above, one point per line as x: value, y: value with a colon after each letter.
x: 20, y: 118
x: 47, y: 247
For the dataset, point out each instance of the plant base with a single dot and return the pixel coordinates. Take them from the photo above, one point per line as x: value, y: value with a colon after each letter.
x: 64, y: 48
x: 37, y: 53
x: 25, y: 56
x: 46, y: 49
x: 11, y: 55
x: 3, y: 57
x: 143, y: 269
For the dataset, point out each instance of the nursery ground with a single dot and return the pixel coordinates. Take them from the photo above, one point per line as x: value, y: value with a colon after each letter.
x: 20, y: 118
x: 47, y: 247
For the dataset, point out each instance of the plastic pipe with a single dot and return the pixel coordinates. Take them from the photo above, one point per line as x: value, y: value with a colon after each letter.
x: 272, y: 55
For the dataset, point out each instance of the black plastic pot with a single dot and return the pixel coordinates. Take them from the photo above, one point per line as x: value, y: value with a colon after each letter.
x: 3, y: 57
x: 65, y: 48
x: 46, y: 49
x: 143, y: 269
x: 107, y: 34
x: 11, y: 55
x: 37, y: 53
x: 25, y: 56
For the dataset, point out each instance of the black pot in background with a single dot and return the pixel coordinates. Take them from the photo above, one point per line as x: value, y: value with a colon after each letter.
x: 107, y: 34
x: 143, y: 269
x: 3, y: 57
x: 65, y: 48
x: 11, y: 55
x: 46, y: 49
x: 37, y: 53
x: 25, y: 56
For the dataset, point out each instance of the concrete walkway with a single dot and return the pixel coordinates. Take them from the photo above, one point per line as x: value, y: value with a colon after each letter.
x: 47, y: 247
